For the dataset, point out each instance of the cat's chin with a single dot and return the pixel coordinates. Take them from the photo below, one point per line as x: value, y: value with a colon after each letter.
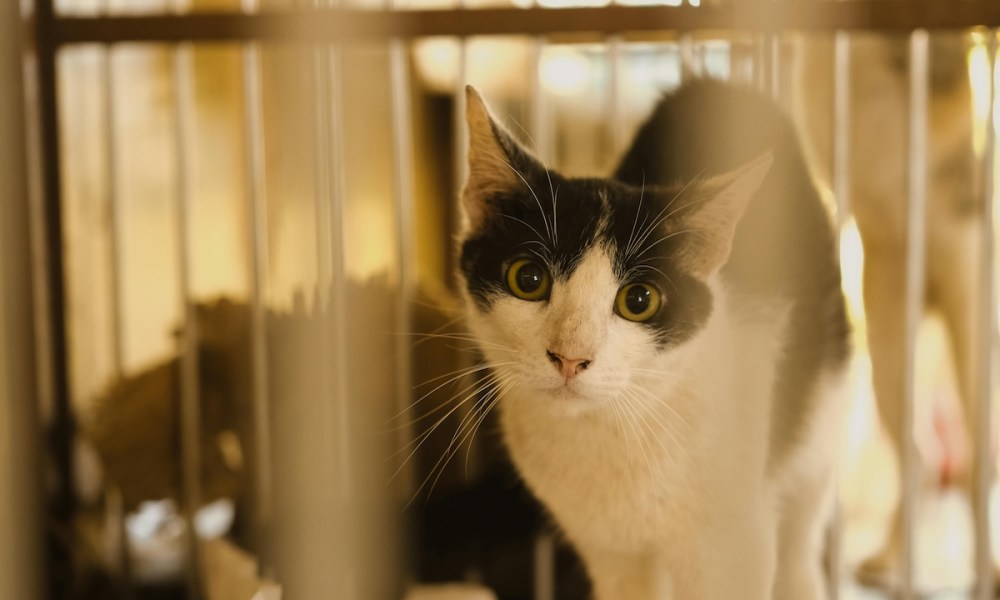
x: 571, y: 401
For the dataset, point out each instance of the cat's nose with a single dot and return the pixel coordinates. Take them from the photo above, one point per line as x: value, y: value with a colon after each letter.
x: 568, y: 367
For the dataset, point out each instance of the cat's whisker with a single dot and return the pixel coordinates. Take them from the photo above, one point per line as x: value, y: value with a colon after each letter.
x: 459, y: 373
x: 420, y: 440
x: 659, y: 241
x: 461, y: 337
x: 555, y: 202
x: 454, y: 376
x: 452, y: 449
x: 479, y: 385
x: 630, y: 416
x: 503, y: 390
x: 652, y: 431
x: 545, y: 221
x: 525, y: 223
x: 665, y: 213
x: 638, y: 211
x: 645, y: 267
x: 442, y: 406
x: 649, y: 399
x: 548, y: 175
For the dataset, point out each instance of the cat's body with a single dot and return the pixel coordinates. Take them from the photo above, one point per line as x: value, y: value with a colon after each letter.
x: 685, y: 449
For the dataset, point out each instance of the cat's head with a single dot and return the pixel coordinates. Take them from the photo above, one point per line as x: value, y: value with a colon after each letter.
x: 579, y: 289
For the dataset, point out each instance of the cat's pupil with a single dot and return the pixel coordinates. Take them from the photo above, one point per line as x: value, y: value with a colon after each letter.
x: 530, y: 277
x: 637, y: 299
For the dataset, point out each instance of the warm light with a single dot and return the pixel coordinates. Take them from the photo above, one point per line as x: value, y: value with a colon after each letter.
x: 437, y: 62
x: 979, y: 80
x: 852, y: 260
x: 565, y: 71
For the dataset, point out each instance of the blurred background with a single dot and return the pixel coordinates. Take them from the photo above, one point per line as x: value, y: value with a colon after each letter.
x: 233, y: 360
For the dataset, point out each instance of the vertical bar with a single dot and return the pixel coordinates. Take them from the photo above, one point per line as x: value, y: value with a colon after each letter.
x: 338, y: 304
x: 762, y: 62
x: 21, y: 552
x: 841, y: 123
x: 616, y: 112
x: 114, y: 225
x: 114, y: 291
x: 402, y: 143
x: 841, y: 190
x: 323, y: 205
x: 63, y: 426
x: 541, y: 124
x: 257, y: 189
x: 460, y: 143
x: 774, y: 40
x: 985, y: 571
x: 915, y: 242
x: 545, y: 567
x: 190, y: 401
x: 690, y: 67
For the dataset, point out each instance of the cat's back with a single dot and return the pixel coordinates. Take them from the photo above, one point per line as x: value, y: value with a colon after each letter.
x: 784, y: 249
x: 709, y: 128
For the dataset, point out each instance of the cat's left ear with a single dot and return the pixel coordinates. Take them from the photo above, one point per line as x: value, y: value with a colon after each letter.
x: 709, y: 221
x: 497, y: 163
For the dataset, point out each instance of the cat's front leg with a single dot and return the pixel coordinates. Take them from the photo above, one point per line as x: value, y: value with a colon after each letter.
x: 627, y: 576
x: 735, y: 561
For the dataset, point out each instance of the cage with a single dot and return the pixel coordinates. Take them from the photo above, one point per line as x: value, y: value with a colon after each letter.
x: 234, y: 362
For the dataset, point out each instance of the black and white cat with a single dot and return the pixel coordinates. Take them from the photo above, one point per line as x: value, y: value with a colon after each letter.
x: 669, y: 342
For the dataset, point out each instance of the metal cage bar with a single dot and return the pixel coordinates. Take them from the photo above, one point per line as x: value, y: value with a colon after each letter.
x: 984, y: 568
x: 190, y: 396
x: 841, y: 191
x: 20, y: 494
x: 347, y: 24
x: 403, y: 175
x: 915, y: 261
x: 115, y: 508
x: 257, y: 262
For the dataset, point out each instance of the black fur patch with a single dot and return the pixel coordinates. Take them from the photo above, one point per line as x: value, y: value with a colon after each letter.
x: 558, y: 234
x: 784, y: 245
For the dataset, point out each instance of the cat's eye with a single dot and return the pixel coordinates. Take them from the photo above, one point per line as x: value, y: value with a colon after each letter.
x: 528, y: 280
x: 638, y: 301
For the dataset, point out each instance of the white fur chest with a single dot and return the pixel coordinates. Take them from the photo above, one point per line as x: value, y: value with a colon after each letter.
x: 631, y: 479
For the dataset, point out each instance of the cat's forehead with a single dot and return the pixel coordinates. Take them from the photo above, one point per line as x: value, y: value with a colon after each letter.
x: 570, y: 216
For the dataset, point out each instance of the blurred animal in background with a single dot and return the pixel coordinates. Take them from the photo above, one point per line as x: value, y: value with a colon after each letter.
x: 877, y: 166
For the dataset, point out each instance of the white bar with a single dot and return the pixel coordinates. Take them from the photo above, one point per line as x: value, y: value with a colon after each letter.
x: 402, y: 142
x: 114, y: 292
x: 339, y: 293
x: 915, y: 243
x: 985, y: 571
x: 190, y: 398
x: 541, y: 122
x: 774, y: 41
x: 21, y: 551
x: 545, y: 567
x: 616, y: 113
x: 324, y: 170
x: 690, y: 67
x: 257, y: 256
x: 841, y: 190
x: 842, y: 124
x: 114, y: 220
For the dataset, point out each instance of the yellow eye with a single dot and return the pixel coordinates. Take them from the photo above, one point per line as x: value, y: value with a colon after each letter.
x: 638, y: 301
x: 528, y: 280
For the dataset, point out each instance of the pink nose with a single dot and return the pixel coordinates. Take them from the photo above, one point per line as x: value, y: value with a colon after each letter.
x: 568, y: 367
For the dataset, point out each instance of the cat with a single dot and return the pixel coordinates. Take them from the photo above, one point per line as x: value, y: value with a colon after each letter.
x: 668, y: 344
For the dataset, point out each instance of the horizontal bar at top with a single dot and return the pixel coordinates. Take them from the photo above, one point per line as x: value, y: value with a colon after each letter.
x: 822, y: 15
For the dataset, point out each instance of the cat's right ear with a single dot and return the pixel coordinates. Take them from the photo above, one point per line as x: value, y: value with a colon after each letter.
x: 496, y: 162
